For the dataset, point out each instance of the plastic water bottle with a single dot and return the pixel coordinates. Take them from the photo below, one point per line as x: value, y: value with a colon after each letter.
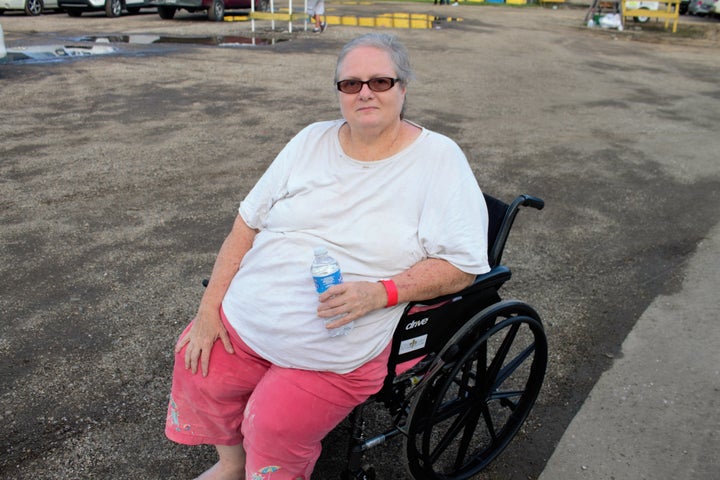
x: 325, y: 271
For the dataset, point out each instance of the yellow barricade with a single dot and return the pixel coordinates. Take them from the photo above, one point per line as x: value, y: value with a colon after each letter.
x: 670, y: 14
x: 280, y: 17
x: 387, y: 20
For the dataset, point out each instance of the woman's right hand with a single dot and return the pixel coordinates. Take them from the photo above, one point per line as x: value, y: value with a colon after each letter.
x: 207, y: 326
x: 206, y: 329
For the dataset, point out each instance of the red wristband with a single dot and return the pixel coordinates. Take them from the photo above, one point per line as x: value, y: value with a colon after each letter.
x: 392, y: 292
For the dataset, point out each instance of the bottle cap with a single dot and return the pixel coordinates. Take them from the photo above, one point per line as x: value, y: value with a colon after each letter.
x: 320, y: 251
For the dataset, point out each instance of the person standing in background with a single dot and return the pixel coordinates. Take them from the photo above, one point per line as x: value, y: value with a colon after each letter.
x: 316, y: 8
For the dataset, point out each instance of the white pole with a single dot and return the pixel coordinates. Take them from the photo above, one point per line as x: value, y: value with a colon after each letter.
x: 272, y: 13
x: 305, y: 15
x: 252, y: 16
x: 290, y: 17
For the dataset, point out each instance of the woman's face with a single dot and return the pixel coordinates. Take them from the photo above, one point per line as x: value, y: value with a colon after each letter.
x: 368, y: 109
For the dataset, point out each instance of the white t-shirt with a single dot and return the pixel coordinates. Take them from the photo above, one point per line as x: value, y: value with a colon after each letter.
x: 376, y: 218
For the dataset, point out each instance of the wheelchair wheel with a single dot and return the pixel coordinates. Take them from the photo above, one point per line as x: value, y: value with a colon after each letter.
x: 475, y: 403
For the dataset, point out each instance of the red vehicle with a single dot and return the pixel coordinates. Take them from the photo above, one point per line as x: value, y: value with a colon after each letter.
x: 215, y: 8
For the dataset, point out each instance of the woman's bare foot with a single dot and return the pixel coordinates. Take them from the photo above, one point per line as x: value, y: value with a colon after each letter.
x: 220, y: 471
x: 231, y: 465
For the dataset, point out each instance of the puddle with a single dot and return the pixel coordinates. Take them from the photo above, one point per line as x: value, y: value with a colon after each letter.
x: 102, y: 45
x: 49, y: 53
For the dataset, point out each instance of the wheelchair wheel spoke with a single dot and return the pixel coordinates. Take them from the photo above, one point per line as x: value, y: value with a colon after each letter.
x: 467, y: 438
x: 501, y: 354
x: 489, y: 422
x: 448, y: 410
x: 513, y: 365
x: 506, y: 398
x: 466, y: 418
x: 434, y: 452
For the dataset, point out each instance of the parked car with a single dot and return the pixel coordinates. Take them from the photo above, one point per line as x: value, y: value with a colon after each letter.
x: 215, y: 8
x: 702, y: 8
x: 31, y: 7
x: 113, y: 8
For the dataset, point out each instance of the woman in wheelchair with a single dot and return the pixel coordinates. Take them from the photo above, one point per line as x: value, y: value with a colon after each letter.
x: 256, y: 373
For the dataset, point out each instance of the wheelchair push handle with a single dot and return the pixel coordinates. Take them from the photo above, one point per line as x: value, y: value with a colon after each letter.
x: 502, y: 217
x: 534, y: 202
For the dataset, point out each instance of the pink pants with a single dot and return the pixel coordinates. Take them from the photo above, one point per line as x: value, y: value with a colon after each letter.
x: 280, y: 415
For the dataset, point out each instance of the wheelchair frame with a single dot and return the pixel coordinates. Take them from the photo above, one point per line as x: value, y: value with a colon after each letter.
x: 464, y: 372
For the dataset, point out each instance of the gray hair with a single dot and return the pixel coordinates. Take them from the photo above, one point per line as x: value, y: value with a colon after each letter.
x: 387, y: 43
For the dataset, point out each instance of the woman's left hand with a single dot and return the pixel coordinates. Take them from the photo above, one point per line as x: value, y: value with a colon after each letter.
x: 352, y: 300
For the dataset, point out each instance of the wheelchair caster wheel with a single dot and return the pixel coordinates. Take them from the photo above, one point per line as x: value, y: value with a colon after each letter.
x: 369, y: 474
x: 366, y: 473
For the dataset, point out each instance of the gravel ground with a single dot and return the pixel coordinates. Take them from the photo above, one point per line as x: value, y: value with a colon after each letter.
x: 120, y: 176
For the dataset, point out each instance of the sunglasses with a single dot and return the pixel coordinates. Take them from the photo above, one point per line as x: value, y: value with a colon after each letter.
x: 377, y: 84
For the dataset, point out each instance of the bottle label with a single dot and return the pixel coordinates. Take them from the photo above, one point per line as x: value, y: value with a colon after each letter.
x: 323, y: 283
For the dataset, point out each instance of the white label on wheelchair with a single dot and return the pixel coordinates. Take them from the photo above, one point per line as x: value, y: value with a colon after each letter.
x: 412, y: 344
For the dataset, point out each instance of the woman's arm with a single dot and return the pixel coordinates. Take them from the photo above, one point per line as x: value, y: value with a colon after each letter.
x: 426, y: 279
x: 429, y: 279
x: 207, y: 325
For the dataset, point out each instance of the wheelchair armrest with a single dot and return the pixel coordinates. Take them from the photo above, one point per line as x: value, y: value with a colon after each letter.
x: 495, y: 278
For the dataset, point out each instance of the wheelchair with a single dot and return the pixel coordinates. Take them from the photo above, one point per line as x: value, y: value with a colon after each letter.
x: 464, y: 372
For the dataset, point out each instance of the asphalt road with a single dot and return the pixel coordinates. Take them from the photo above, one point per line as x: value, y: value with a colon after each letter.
x: 120, y: 175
